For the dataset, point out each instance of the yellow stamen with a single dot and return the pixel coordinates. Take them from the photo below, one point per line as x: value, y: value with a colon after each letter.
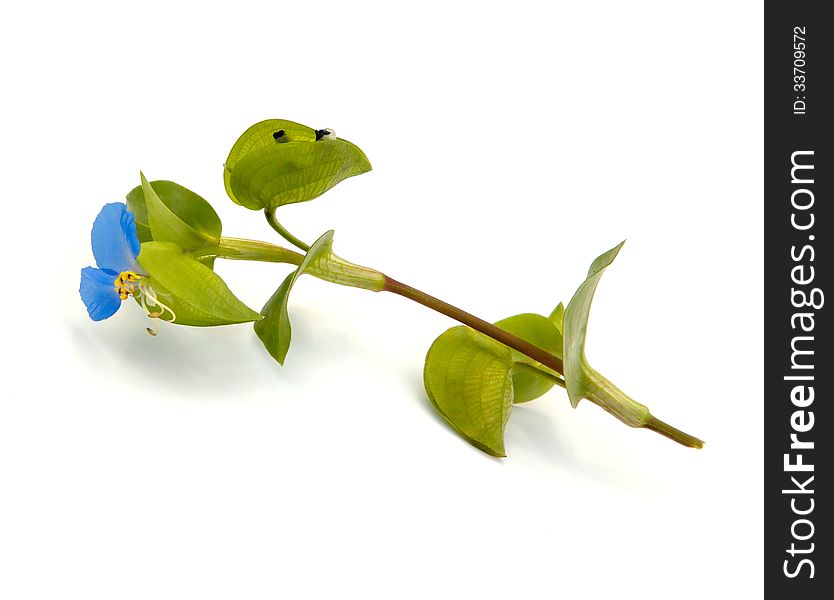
x: 123, y: 284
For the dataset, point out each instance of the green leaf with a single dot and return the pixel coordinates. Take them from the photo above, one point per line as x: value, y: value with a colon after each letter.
x: 578, y: 373
x: 274, y: 329
x: 262, y: 172
x: 467, y: 378
x: 466, y: 373
x: 189, y: 207
x: 558, y: 318
x: 195, y: 293
x: 193, y: 224
x: 260, y: 136
x: 536, y: 329
x: 540, y: 331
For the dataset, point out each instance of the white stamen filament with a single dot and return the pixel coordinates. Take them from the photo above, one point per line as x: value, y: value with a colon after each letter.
x: 151, y: 303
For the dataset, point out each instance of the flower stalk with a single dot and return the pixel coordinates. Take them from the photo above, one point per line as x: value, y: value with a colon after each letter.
x: 602, y: 392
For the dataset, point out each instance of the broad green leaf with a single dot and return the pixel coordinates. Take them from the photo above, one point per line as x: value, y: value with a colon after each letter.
x: 274, y: 329
x: 540, y: 331
x: 536, y: 329
x: 166, y: 226
x: 189, y: 207
x: 575, y: 329
x: 467, y: 378
x: 195, y: 293
x: 462, y: 379
x: 262, y: 135
x: 262, y: 172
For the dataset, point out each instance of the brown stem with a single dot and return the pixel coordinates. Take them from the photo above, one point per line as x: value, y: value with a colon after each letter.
x: 528, y: 349
x: 488, y: 329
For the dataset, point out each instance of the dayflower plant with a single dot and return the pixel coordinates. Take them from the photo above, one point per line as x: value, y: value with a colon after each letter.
x: 160, y: 249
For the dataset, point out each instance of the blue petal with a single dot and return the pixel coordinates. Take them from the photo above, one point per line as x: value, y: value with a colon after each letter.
x: 98, y: 293
x: 115, y: 243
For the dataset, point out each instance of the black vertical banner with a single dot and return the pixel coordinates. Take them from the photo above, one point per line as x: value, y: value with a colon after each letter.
x: 799, y: 366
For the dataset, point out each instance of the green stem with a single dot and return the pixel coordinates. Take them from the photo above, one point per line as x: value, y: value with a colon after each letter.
x: 259, y: 251
x: 605, y: 394
x: 241, y: 249
x: 273, y: 222
x: 673, y: 433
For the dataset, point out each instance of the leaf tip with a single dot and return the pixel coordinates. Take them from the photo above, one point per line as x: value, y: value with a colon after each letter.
x: 494, y: 449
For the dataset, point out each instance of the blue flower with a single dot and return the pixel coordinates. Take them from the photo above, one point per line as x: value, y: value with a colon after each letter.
x: 115, y: 248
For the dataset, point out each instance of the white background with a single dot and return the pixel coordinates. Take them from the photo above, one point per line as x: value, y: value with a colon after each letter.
x: 512, y: 143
